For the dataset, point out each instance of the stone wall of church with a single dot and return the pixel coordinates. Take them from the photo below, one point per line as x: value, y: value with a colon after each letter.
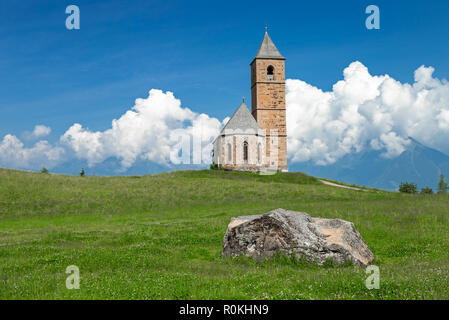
x: 231, y: 152
x: 259, y: 70
x: 268, y: 108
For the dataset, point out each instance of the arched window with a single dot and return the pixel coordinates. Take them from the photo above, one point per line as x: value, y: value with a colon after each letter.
x: 245, y: 151
x: 270, y: 73
x: 258, y: 152
x: 229, y: 152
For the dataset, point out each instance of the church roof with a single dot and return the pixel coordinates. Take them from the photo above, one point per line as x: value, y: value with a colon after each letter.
x: 268, y: 50
x: 242, y: 119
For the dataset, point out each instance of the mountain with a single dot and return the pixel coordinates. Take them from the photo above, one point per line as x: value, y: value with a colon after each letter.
x: 112, y: 167
x: 418, y: 163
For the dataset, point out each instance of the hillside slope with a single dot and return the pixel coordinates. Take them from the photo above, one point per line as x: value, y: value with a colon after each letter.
x: 160, y: 237
x: 418, y: 163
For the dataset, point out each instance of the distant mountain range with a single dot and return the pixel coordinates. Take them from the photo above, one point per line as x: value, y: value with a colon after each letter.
x: 418, y: 163
x: 112, y: 167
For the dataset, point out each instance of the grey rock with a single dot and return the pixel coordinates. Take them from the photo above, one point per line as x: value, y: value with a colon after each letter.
x: 296, y: 233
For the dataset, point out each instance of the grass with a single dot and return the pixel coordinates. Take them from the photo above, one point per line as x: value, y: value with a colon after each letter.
x: 160, y: 237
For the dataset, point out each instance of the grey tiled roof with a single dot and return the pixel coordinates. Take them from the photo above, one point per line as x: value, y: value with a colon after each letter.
x: 242, y: 119
x: 268, y: 50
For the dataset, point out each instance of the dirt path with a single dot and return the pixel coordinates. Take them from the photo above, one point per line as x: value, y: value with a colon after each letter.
x: 340, y: 186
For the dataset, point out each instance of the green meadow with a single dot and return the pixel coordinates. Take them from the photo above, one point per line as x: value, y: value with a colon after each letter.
x: 160, y: 237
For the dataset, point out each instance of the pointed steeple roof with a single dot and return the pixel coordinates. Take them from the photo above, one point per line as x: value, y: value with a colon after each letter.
x: 268, y: 50
x: 242, y: 119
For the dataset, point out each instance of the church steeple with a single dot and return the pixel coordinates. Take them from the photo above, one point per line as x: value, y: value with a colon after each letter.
x: 268, y: 50
x: 268, y: 101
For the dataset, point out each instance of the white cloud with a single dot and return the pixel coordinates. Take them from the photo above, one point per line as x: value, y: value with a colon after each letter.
x: 14, y: 154
x: 361, y: 112
x: 41, y: 131
x: 364, y: 111
x: 38, y: 132
x: 144, y: 132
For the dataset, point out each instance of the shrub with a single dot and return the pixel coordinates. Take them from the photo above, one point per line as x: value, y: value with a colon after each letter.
x: 408, y: 187
x: 44, y: 170
x: 426, y: 190
x: 442, y: 185
x: 214, y: 166
x: 82, y: 173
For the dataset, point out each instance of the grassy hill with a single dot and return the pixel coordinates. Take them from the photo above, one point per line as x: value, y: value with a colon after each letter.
x: 160, y: 237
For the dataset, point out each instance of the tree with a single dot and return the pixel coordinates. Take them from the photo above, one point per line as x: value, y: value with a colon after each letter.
x: 442, y: 185
x: 82, y: 173
x: 44, y: 170
x: 426, y: 190
x: 407, y: 187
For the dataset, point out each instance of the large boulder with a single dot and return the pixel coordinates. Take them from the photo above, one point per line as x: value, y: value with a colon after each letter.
x: 296, y: 233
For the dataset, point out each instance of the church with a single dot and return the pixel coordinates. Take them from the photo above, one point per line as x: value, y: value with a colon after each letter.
x: 257, y: 141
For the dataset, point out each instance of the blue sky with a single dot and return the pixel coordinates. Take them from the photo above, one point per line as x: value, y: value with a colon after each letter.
x: 199, y: 50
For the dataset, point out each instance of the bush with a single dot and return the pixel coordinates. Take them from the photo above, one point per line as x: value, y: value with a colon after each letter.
x: 407, y: 187
x: 44, y: 170
x: 82, y: 173
x: 426, y: 190
x: 214, y: 166
x: 442, y: 185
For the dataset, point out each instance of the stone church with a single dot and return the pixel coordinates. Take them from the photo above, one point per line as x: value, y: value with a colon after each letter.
x: 257, y: 141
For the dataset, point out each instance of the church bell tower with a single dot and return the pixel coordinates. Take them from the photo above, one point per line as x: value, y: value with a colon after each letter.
x: 268, y: 102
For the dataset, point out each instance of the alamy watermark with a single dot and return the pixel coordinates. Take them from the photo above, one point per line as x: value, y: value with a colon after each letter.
x: 373, y: 20
x: 73, y: 20
x: 373, y: 280
x: 231, y: 147
x: 73, y: 280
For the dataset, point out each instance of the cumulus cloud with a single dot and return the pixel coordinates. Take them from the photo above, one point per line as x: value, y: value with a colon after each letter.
x: 14, y: 154
x: 41, y: 131
x: 364, y: 111
x: 150, y: 130
x: 361, y: 112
